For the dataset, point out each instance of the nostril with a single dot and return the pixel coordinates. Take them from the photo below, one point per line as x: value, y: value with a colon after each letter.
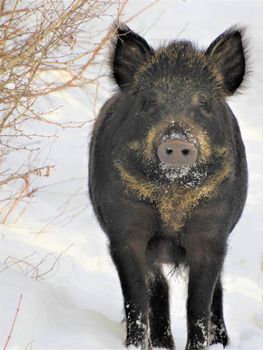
x: 185, y: 152
x: 168, y: 151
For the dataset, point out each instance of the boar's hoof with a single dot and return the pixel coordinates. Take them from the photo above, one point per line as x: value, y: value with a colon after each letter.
x: 218, y: 332
x: 177, y: 153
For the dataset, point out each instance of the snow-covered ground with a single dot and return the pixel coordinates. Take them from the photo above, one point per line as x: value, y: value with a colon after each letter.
x: 59, y: 263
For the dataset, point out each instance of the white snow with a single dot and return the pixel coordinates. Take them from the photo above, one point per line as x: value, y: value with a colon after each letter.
x: 78, y: 304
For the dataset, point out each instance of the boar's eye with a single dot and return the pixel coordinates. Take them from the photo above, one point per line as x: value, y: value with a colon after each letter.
x: 205, y: 105
x: 202, y: 101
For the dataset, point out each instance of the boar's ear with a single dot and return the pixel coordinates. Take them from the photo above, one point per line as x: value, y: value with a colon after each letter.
x: 129, y: 52
x: 227, y: 53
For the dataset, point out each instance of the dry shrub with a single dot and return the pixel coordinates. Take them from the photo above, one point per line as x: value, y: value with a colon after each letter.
x: 40, y: 270
x: 45, y: 46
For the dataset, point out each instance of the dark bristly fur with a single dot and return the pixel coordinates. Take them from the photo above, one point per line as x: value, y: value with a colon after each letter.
x: 155, y: 214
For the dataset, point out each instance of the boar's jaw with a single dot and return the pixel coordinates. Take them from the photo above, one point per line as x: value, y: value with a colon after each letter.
x: 186, y: 176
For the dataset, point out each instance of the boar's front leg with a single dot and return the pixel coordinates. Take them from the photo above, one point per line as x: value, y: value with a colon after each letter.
x: 218, y: 332
x: 205, y: 254
x: 130, y: 260
x: 161, y: 335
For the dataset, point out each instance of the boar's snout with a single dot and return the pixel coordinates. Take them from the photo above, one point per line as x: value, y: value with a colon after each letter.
x: 177, y: 152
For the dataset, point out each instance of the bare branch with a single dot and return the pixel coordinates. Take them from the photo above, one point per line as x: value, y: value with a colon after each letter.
x: 36, y: 271
x: 41, y: 53
x: 14, y: 321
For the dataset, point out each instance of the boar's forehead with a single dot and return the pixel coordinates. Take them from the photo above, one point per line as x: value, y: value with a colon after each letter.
x: 179, y: 69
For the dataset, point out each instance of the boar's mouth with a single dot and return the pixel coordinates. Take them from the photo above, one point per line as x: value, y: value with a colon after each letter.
x: 188, y: 176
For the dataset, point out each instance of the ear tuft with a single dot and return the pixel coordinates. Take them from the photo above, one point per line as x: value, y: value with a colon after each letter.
x: 228, y: 55
x: 130, y: 51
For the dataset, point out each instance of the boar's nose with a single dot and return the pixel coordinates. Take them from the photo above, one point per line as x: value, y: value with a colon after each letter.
x: 177, y: 152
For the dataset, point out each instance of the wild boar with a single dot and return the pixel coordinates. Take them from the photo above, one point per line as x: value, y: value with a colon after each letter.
x: 168, y: 179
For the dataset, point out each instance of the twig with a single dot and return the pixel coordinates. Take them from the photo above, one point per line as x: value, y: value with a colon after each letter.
x: 15, y: 203
x: 45, y: 48
x: 34, y: 270
x: 36, y: 172
x: 40, y: 275
x: 14, y: 321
